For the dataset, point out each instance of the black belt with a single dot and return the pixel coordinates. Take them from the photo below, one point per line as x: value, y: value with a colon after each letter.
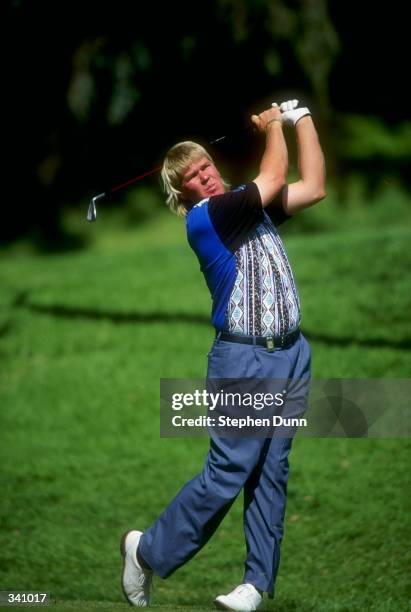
x: 270, y: 342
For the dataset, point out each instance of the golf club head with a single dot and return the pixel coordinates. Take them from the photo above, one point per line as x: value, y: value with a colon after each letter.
x: 92, y: 210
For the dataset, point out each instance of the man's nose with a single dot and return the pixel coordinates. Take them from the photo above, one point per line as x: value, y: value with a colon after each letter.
x: 203, y: 176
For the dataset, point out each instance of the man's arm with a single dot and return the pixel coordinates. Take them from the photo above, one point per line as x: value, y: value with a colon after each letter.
x: 311, y: 186
x: 274, y: 163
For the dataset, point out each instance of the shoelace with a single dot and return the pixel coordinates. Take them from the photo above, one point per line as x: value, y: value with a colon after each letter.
x: 244, y: 588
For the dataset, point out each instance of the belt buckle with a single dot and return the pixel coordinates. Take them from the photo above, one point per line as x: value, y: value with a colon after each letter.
x: 270, y: 343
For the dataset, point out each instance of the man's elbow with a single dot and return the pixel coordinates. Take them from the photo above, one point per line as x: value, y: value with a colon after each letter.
x: 319, y: 195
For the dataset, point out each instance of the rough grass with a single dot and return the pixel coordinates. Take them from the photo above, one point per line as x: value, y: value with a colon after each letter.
x: 84, y: 340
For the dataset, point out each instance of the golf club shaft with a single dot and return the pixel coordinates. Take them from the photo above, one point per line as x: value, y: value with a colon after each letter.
x: 92, y: 210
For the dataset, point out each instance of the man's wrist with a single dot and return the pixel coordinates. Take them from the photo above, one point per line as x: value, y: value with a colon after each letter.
x: 270, y: 123
x: 308, y: 115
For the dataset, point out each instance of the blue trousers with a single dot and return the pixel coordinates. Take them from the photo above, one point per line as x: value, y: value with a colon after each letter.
x: 257, y: 465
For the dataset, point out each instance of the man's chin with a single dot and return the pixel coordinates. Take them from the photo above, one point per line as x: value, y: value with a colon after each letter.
x: 215, y: 191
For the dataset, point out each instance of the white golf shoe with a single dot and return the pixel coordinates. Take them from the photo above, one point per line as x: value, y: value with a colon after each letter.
x: 136, y: 581
x: 244, y: 598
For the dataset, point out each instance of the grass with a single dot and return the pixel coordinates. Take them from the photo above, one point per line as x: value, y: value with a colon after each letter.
x: 84, y: 340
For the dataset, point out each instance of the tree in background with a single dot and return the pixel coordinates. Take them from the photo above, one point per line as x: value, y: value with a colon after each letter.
x: 97, y: 91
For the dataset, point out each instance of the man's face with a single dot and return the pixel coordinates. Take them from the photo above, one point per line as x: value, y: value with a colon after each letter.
x: 200, y: 180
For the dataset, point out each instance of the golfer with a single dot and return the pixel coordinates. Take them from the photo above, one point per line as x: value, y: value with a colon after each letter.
x: 256, y: 315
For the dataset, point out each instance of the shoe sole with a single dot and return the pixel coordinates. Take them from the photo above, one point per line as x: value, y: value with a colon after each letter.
x: 221, y: 606
x: 123, y: 554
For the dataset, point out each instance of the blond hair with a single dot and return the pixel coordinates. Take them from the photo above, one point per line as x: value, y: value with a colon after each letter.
x: 175, y: 163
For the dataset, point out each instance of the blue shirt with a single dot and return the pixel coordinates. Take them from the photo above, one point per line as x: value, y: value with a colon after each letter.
x: 244, y: 263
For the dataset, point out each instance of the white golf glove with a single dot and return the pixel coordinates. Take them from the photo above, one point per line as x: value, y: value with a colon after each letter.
x: 290, y: 113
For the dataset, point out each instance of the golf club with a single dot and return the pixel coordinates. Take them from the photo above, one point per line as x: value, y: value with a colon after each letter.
x: 92, y: 209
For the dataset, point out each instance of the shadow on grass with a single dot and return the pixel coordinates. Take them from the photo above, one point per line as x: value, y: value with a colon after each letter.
x: 5, y: 328
x: 75, y: 312
x: 268, y: 605
x: 403, y: 344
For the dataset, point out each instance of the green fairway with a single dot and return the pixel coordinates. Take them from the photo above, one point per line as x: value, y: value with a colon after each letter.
x: 84, y: 340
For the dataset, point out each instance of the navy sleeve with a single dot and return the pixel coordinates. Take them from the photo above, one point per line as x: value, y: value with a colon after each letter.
x: 275, y: 209
x: 236, y: 214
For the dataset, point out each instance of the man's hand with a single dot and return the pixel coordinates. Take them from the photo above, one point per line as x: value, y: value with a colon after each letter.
x: 267, y: 118
x: 290, y: 113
